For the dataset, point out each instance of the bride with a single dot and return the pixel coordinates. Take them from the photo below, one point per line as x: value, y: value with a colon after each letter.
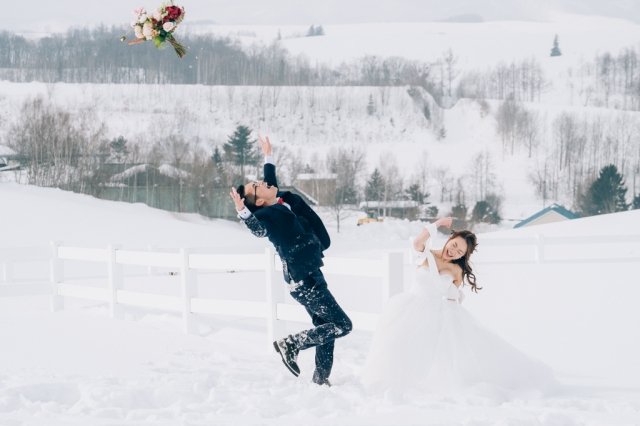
x: 426, y: 340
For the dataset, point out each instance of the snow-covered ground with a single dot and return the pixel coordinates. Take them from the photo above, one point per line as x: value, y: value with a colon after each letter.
x: 477, y: 44
x: 78, y: 366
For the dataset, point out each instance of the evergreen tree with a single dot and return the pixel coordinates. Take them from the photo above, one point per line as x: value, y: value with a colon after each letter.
x: 459, y: 211
x: 308, y: 169
x: 607, y: 194
x: 636, y: 203
x: 217, y: 156
x: 374, y: 190
x: 312, y: 31
x: 371, y: 106
x: 319, y: 30
x: 119, y: 148
x: 432, y: 211
x: 414, y: 193
x: 556, y: 50
x: 241, y: 150
x: 483, y: 213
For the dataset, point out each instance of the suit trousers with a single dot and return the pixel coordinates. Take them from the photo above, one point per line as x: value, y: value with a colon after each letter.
x: 327, y: 316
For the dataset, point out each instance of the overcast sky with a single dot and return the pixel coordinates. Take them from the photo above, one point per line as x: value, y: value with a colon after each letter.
x: 48, y: 15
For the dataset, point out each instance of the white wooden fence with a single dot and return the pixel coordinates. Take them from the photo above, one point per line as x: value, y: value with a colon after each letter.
x: 390, y: 269
x: 189, y: 262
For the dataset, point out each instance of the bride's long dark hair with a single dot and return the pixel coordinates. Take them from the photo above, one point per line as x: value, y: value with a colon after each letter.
x: 467, y: 273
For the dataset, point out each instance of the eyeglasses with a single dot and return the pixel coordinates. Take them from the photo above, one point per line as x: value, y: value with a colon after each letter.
x: 255, y: 191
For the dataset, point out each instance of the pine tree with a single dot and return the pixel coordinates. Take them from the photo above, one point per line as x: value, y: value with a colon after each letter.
x: 414, y: 193
x: 459, y: 211
x: 636, y: 203
x: 240, y: 150
x: 319, y: 30
x: 371, y: 106
x: 607, y: 194
x: 217, y: 156
x: 312, y: 31
x: 556, y: 50
x: 119, y: 148
x: 374, y: 189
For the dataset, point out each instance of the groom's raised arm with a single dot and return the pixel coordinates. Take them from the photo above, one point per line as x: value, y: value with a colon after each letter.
x: 269, y: 167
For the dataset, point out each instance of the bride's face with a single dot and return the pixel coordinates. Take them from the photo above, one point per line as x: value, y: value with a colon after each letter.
x: 454, y: 249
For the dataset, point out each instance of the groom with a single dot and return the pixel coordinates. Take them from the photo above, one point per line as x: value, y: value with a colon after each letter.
x: 299, y: 237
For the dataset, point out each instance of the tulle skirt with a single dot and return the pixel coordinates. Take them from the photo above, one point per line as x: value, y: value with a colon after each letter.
x: 436, y: 345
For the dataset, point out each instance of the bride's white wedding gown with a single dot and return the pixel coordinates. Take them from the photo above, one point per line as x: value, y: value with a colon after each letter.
x: 424, y: 341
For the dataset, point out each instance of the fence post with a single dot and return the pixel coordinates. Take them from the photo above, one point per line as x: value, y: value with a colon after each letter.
x: 393, y: 275
x: 116, y: 282
x: 539, y: 248
x: 275, y: 294
x: 189, y: 285
x: 152, y: 270
x: 8, y: 271
x: 56, y: 269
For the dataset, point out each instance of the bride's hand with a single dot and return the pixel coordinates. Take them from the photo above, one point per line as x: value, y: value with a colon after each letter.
x: 445, y: 221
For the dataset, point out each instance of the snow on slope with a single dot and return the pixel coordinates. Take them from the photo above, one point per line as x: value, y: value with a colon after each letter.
x: 79, y: 367
x: 478, y: 45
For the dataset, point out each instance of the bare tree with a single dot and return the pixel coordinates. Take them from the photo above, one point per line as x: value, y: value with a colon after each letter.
x: 347, y: 165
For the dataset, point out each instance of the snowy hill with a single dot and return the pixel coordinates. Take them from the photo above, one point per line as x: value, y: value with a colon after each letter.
x: 80, y: 367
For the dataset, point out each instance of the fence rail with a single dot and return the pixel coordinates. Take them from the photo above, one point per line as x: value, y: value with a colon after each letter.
x: 189, y: 262
x: 390, y: 269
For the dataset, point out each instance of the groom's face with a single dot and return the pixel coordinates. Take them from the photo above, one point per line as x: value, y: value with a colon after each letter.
x: 262, y: 191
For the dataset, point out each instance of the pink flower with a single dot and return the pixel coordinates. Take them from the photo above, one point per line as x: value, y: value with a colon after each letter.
x: 167, y: 26
x: 147, y: 31
x: 138, y: 31
x: 138, y: 11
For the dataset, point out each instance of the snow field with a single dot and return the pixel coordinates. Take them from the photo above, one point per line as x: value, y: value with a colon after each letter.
x: 79, y: 367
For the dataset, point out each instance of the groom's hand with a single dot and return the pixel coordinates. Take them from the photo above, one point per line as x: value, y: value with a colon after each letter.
x: 265, y: 144
x: 239, y: 202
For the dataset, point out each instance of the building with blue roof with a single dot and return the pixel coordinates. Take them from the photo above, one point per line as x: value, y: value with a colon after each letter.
x: 553, y: 213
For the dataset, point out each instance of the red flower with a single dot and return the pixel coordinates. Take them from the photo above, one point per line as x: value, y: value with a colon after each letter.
x: 173, y: 12
x: 166, y: 19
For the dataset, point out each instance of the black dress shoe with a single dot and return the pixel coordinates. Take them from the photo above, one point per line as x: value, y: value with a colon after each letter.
x: 289, y: 353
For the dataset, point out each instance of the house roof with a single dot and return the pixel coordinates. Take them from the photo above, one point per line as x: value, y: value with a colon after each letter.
x: 553, y: 207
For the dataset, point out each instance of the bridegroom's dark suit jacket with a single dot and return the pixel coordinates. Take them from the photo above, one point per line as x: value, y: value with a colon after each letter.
x: 298, y: 235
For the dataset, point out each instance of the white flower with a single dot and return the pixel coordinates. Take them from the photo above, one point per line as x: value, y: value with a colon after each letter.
x: 160, y: 9
x: 167, y: 26
x: 138, y: 31
x: 143, y: 18
x: 157, y: 16
x: 147, y: 30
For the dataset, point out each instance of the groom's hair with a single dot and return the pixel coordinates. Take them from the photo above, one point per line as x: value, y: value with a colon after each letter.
x: 249, y: 199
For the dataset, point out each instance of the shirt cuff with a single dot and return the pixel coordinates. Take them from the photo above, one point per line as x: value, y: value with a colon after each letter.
x: 244, y: 213
x: 268, y: 159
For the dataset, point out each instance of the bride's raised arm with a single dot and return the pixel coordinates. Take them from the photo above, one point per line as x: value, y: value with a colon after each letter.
x: 428, y: 230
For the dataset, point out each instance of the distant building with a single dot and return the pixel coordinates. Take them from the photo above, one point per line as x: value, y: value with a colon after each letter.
x: 553, y: 213
x: 400, y: 209
x: 319, y: 186
x: 7, y: 155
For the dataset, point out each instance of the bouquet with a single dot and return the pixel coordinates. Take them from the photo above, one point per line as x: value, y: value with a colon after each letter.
x: 158, y: 26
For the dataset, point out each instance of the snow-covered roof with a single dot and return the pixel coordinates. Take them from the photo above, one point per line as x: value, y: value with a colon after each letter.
x: 173, y: 172
x: 311, y: 176
x: 5, y: 150
x: 402, y: 204
x: 131, y: 171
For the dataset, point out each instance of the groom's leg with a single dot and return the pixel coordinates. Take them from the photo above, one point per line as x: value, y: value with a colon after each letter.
x: 331, y: 321
x: 324, y: 355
